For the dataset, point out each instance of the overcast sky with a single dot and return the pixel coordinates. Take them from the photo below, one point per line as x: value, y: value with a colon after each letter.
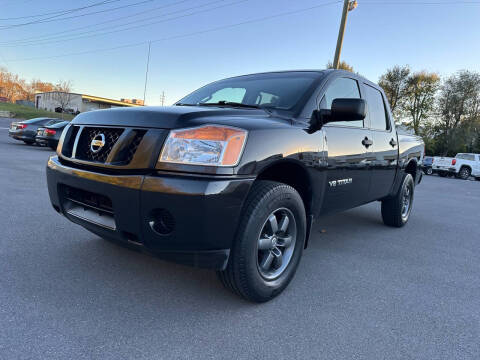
x: 190, y: 53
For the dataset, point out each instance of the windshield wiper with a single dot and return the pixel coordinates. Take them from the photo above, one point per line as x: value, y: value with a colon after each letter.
x: 237, y: 104
x: 230, y: 103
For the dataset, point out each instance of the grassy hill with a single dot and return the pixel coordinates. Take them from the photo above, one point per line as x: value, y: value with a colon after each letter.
x: 26, y: 112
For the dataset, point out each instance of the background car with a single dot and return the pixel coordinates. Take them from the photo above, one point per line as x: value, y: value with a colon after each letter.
x: 462, y: 166
x: 50, y: 134
x: 27, y: 130
x: 427, y: 165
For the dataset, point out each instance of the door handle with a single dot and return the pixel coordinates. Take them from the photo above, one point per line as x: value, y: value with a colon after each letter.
x: 367, y: 142
x: 393, y: 142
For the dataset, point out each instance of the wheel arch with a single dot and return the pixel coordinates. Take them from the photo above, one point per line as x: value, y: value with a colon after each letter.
x: 296, y: 175
x: 412, y: 168
x: 466, y: 166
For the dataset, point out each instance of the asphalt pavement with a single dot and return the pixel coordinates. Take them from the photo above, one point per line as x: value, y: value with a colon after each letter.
x: 362, y: 291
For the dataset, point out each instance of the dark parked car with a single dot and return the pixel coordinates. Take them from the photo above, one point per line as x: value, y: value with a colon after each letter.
x: 427, y: 165
x: 233, y: 176
x: 27, y: 130
x: 50, y: 134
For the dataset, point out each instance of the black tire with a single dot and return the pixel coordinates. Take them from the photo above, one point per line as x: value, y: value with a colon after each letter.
x: 393, y: 209
x: 428, y: 171
x: 442, y: 174
x: 464, y: 173
x: 243, y: 274
x: 477, y: 178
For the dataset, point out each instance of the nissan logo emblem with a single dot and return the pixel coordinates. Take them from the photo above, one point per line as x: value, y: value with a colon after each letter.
x: 98, y: 142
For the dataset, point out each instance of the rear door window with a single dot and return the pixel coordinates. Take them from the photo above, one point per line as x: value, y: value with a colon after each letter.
x: 470, y: 157
x: 376, y: 113
x: 341, y: 88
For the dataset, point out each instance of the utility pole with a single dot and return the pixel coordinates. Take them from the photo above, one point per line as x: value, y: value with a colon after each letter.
x: 347, y: 6
x: 146, y: 72
x: 162, y: 98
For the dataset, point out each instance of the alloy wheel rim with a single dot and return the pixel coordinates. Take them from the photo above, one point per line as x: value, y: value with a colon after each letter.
x: 406, y: 202
x: 276, y: 243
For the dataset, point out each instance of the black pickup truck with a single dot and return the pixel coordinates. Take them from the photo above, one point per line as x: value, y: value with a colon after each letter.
x: 233, y: 176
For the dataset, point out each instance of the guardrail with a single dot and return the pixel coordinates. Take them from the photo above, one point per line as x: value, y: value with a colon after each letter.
x: 7, y: 114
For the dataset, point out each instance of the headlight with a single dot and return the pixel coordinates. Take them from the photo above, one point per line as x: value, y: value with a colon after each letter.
x: 211, y: 145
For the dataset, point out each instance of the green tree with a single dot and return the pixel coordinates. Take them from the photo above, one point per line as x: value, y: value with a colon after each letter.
x: 419, y: 102
x: 459, y: 110
x: 342, y: 66
x: 394, y: 83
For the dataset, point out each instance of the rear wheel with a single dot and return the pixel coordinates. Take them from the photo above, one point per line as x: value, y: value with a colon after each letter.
x: 429, y: 171
x: 269, y: 242
x: 396, y: 210
x: 464, y: 173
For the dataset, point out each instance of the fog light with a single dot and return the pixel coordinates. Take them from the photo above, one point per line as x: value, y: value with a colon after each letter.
x: 162, y: 221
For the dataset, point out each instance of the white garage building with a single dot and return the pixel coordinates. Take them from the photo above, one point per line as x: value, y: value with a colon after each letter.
x: 77, y: 102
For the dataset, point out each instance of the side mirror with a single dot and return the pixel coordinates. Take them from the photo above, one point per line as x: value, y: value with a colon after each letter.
x: 348, y: 110
x: 342, y: 110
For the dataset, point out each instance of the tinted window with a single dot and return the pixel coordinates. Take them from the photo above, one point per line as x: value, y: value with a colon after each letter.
x: 36, y: 121
x: 341, y: 88
x: 466, y: 157
x: 277, y: 90
x: 52, y: 122
x: 376, y: 109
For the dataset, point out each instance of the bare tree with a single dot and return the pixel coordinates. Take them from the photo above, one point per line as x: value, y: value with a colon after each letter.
x: 394, y: 83
x: 62, y: 94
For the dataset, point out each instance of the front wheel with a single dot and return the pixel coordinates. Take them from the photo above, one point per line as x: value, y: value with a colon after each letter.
x: 396, y: 210
x: 269, y: 242
x: 429, y: 171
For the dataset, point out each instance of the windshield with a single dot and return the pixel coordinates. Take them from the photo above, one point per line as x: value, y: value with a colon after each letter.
x: 275, y: 91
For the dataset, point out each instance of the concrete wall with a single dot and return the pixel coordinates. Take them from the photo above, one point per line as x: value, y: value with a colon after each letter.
x: 48, y: 101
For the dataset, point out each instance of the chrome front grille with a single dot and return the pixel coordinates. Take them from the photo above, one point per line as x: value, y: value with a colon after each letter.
x: 84, y: 149
x: 118, y: 148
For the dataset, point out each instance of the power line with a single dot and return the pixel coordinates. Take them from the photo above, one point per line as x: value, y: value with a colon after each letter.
x: 66, y: 37
x: 66, y: 11
x: 63, y: 33
x: 47, y: 20
x: 214, y: 29
x: 96, y: 33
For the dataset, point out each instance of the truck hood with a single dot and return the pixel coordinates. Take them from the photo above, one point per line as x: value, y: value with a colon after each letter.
x: 174, y: 117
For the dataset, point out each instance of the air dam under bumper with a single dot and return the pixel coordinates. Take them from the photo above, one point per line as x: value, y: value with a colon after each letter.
x: 186, y: 219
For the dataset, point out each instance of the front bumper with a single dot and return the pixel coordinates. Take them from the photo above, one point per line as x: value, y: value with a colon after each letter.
x: 205, y: 211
